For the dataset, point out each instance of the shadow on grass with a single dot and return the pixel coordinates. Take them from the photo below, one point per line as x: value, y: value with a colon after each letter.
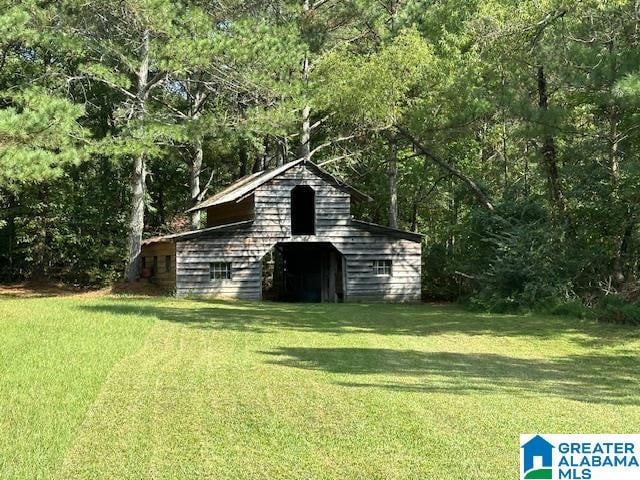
x: 414, y: 320
x: 610, y: 379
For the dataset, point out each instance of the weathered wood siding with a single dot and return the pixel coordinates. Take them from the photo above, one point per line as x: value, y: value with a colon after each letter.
x: 163, y: 277
x: 244, y: 247
x: 236, y: 246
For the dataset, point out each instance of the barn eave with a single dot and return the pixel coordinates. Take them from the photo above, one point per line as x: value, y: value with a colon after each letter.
x: 176, y: 237
x: 392, y: 232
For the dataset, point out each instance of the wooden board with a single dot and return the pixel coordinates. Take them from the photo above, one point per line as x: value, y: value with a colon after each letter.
x: 161, y: 275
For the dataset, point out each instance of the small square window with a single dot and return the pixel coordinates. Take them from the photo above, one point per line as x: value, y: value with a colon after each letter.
x: 220, y: 271
x: 382, y: 267
x: 167, y: 263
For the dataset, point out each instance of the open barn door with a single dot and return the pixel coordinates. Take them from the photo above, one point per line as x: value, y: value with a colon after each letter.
x: 303, y: 272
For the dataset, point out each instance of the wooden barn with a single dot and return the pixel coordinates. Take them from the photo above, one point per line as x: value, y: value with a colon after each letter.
x: 287, y: 234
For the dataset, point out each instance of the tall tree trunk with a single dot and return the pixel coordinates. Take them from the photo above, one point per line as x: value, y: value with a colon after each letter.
x: 11, y: 234
x: 41, y: 244
x: 392, y: 172
x: 244, y: 157
x: 453, y: 219
x: 505, y: 157
x: 621, y: 252
x: 276, y: 151
x: 161, y: 207
x: 136, y: 222
x: 257, y: 164
x: 194, y: 181
x: 614, y: 168
x: 614, y: 118
x: 414, y: 215
x: 139, y: 176
x: 305, y: 138
x: 283, y: 150
x: 195, y: 164
x: 614, y: 158
x: 549, y: 154
x: 266, y: 157
x: 526, y: 170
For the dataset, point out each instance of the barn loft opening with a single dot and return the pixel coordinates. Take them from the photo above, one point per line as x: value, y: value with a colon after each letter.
x: 303, y: 210
x: 303, y: 272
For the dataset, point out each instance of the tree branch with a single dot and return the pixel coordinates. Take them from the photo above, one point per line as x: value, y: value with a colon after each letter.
x: 106, y: 82
x: 331, y: 142
x: 205, y: 189
x: 319, y: 122
x: 482, y: 198
x: 335, y: 159
x: 433, y: 187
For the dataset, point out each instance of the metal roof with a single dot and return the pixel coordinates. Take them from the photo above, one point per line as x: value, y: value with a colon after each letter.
x: 394, y: 232
x: 372, y: 227
x: 246, y: 185
x: 194, y: 233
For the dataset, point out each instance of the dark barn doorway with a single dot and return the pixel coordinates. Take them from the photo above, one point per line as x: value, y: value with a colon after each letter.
x: 303, y: 210
x: 303, y: 272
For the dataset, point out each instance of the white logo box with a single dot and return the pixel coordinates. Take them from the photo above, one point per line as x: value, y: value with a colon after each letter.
x: 580, y: 456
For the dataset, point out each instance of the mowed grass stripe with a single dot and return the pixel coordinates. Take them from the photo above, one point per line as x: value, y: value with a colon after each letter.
x: 245, y: 390
x: 118, y: 436
x: 205, y: 403
x: 53, y: 362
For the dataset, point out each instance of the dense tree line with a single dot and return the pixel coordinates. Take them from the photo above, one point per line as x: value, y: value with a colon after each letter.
x: 506, y: 132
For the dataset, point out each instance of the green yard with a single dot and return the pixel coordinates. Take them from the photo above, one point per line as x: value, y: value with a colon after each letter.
x: 110, y: 387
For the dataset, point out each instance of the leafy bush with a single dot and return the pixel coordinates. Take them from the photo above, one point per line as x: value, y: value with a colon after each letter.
x: 523, y: 261
x: 438, y: 279
x: 571, y: 308
x: 618, y: 310
x: 493, y: 302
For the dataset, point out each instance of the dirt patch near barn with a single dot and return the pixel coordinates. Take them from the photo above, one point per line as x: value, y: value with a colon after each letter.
x: 31, y: 289
x: 42, y: 289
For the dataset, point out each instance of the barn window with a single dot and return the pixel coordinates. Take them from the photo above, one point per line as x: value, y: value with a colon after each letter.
x: 220, y: 271
x: 167, y: 263
x: 382, y: 267
x: 303, y: 211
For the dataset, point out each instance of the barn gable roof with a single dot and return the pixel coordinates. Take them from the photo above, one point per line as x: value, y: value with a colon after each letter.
x: 246, y: 185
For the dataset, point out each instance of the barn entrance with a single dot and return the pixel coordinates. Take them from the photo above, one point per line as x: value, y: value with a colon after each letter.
x: 303, y: 272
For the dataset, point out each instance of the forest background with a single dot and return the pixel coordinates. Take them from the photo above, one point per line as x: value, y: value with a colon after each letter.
x: 507, y: 132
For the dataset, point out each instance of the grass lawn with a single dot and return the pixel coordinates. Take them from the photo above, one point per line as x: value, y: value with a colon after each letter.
x: 116, y: 387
